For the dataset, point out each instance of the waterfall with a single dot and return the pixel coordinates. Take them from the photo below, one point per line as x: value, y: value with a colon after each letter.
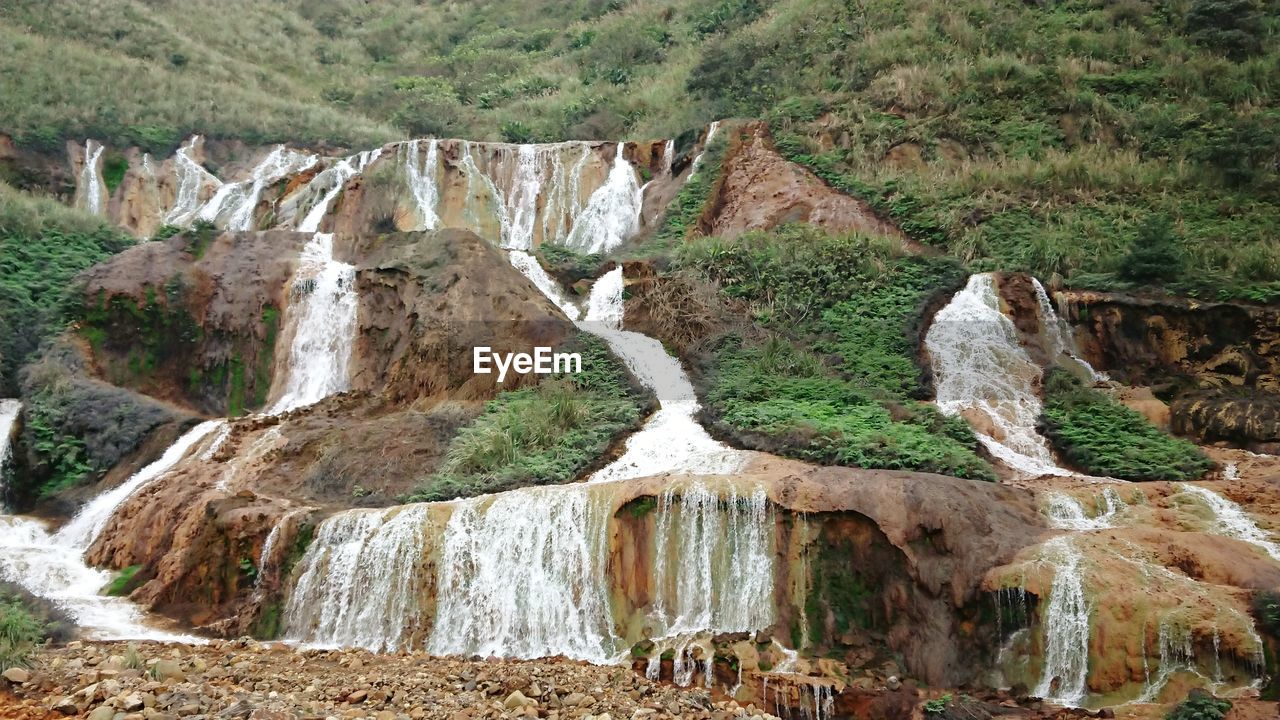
x: 1066, y: 512
x: 712, y: 129
x: 9, y: 410
x: 1066, y: 621
x: 53, y: 570
x: 91, y: 188
x: 52, y: 566
x: 1177, y: 652
x: 520, y: 203
x: 1232, y: 521
x: 234, y: 204
x: 671, y: 440
x: 192, y: 178
x: 612, y: 214
x: 523, y: 574
x: 1059, y: 332
x: 272, y: 557
x: 980, y: 367
x: 422, y: 181
x: 85, y: 527
x: 529, y: 267
x: 323, y: 307
x: 330, y: 183
x: 714, y: 567
x: 360, y: 581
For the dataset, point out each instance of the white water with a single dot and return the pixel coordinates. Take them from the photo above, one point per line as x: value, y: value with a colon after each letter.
x: 712, y: 129
x: 53, y: 570
x: 234, y: 205
x: 523, y: 574
x: 421, y: 175
x: 671, y: 440
x: 323, y: 309
x: 9, y: 410
x: 980, y: 367
x: 1059, y: 332
x: 1232, y: 521
x: 91, y: 190
x: 52, y: 566
x: 1066, y: 622
x: 192, y: 178
x: 612, y: 214
x: 330, y: 182
x: 1068, y: 513
x: 360, y: 580
x: 84, y: 528
x: 714, y: 568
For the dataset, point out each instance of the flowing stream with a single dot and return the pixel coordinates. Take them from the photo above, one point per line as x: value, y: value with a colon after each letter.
x: 1066, y: 621
x: 92, y: 192
x: 9, y: 410
x: 1232, y: 521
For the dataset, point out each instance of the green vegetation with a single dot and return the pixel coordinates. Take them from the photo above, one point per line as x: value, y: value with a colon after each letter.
x: 1200, y: 705
x: 541, y: 435
x: 125, y: 582
x: 938, y: 705
x: 20, y: 632
x: 43, y: 245
x: 569, y: 265
x: 833, y: 378
x: 1100, y: 436
x: 682, y: 215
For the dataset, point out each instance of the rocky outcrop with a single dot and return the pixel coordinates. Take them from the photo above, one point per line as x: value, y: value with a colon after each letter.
x: 428, y: 299
x: 1219, y: 363
x: 759, y: 189
x: 193, y: 319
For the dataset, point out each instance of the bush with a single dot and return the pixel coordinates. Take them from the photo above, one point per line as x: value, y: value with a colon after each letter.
x: 1232, y: 27
x: 1154, y: 254
x: 1099, y: 436
x: 547, y: 434
x: 1200, y: 705
x: 20, y: 632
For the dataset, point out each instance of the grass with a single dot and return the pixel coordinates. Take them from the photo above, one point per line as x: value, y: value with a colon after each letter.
x: 124, y: 582
x: 834, y: 378
x: 541, y: 435
x: 1099, y: 436
x: 20, y: 632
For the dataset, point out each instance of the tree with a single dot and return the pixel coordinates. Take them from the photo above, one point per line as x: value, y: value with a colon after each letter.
x: 1154, y: 255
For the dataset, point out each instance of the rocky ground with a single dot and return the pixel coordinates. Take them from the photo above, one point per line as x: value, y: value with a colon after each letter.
x: 245, y: 679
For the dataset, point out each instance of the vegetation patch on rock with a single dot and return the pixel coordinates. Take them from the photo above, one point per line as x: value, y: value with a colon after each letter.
x: 1099, y: 436
x: 545, y: 434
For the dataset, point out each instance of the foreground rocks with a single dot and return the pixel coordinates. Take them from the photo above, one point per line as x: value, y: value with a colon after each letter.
x: 244, y: 679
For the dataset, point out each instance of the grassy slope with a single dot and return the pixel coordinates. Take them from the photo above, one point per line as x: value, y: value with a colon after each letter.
x: 1045, y: 135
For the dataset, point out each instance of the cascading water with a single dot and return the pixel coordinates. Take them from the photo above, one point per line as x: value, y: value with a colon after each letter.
x: 360, y: 580
x: 192, y: 179
x: 329, y: 183
x: 1232, y: 521
x: 671, y: 440
x: 612, y: 214
x: 523, y: 574
x: 715, y: 561
x: 1066, y: 512
x: 234, y: 204
x: 980, y: 368
x: 91, y: 189
x: 85, y: 527
x: 1066, y: 621
x: 1059, y: 333
x: 9, y: 410
x: 421, y: 175
x: 52, y: 566
x: 324, y: 304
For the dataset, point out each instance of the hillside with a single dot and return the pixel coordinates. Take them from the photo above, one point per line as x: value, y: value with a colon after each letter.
x: 1038, y: 137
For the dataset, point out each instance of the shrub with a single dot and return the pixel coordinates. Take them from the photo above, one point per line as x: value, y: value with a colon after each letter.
x: 541, y: 435
x: 20, y: 632
x: 1200, y: 705
x: 1232, y: 27
x: 1154, y: 254
x: 1102, y: 437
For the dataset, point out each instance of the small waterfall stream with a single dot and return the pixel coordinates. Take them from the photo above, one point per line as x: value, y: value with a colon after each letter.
x: 9, y: 410
x: 192, y: 179
x: 1066, y: 621
x: 1232, y: 521
x: 92, y: 193
x: 1066, y: 512
x: 234, y: 204
x: 980, y: 369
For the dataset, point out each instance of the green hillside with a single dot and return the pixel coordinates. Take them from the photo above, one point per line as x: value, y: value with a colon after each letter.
x: 1040, y: 137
